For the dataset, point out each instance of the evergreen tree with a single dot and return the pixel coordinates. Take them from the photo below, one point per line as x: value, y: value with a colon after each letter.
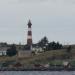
x: 12, y: 51
x: 42, y: 43
x: 54, y: 46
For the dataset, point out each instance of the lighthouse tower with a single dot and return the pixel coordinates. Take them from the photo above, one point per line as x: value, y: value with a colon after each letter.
x: 29, y: 35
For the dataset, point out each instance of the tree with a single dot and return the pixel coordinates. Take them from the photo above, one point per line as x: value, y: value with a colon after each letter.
x: 53, y: 46
x: 42, y: 43
x: 58, y: 45
x: 12, y: 51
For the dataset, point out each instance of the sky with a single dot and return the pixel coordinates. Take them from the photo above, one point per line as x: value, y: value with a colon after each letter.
x: 52, y: 18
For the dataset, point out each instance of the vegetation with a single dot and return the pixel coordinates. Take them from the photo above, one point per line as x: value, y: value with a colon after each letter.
x: 43, y: 42
x: 46, y: 45
x: 55, y: 53
x: 53, y: 46
x: 12, y: 51
x: 56, y: 62
x: 52, y: 57
x: 72, y: 62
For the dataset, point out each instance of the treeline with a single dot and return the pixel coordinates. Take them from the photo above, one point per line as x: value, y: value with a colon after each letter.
x: 43, y: 43
x: 46, y: 45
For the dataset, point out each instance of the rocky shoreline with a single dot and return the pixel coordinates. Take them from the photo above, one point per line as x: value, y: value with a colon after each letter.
x: 38, y: 69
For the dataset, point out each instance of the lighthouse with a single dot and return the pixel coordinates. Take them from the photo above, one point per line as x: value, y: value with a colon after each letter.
x: 29, y: 35
x: 27, y: 52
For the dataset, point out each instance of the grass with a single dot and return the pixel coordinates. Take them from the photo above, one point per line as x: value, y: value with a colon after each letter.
x: 7, y: 58
x: 42, y: 57
x: 56, y: 62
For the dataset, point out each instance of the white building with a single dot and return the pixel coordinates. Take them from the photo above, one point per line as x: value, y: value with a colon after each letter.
x: 24, y: 53
x: 3, y: 51
x: 37, y: 50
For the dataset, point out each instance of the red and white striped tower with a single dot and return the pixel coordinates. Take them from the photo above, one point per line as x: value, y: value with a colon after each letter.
x: 29, y: 35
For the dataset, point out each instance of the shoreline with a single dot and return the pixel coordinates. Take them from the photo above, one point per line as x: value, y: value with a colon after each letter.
x: 20, y: 69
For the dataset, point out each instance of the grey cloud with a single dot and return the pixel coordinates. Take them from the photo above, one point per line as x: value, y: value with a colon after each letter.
x: 14, y: 17
x: 69, y: 1
x: 36, y: 1
x: 55, y: 1
x: 33, y: 1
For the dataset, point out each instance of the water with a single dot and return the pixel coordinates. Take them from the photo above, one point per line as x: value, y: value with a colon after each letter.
x: 36, y: 73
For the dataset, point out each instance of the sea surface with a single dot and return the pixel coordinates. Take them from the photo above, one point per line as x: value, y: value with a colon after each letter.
x: 37, y: 72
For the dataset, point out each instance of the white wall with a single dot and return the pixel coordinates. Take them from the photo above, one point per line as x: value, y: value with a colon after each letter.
x: 2, y: 53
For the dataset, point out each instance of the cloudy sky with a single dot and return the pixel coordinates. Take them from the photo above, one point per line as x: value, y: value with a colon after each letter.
x: 52, y: 18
